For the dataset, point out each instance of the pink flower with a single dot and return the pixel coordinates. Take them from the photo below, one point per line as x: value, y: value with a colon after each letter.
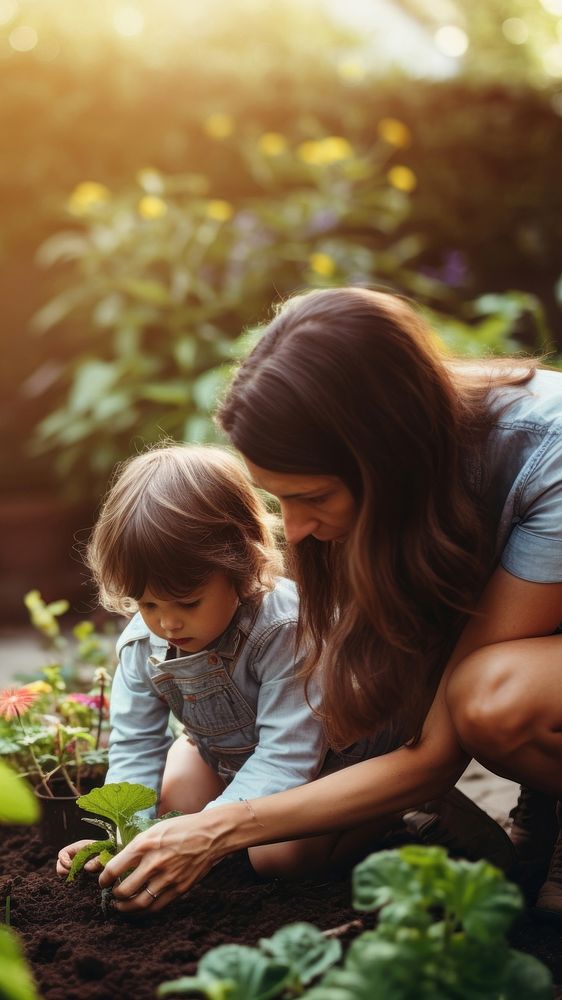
x: 91, y: 700
x: 15, y: 702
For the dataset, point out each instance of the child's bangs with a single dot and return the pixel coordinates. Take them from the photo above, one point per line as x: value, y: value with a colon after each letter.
x: 160, y: 564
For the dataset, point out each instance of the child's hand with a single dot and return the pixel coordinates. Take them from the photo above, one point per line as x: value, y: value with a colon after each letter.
x: 66, y: 854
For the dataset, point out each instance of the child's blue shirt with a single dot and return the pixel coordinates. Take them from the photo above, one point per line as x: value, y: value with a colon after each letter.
x: 242, y: 703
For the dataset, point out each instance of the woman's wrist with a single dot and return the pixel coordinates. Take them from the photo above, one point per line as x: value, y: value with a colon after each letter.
x: 232, y: 827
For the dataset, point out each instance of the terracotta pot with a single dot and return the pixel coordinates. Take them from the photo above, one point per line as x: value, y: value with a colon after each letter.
x: 62, y: 821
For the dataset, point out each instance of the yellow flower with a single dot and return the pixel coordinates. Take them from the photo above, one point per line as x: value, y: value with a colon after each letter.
x: 323, y: 264
x: 272, y: 144
x: 86, y: 195
x: 219, y: 125
x: 219, y: 210
x: 395, y: 132
x: 351, y: 70
x: 402, y: 178
x: 151, y: 207
x: 39, y: 687
x: 322, y: 152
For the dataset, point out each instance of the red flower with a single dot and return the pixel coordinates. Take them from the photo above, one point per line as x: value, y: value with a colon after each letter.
x: 15, y: 701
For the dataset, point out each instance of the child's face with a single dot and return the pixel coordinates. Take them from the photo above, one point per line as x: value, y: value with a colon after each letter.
x: 193, y: 621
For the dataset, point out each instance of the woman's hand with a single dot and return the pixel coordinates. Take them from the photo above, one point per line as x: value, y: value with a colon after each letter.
x: 167, y: 860
x: 67, y: 854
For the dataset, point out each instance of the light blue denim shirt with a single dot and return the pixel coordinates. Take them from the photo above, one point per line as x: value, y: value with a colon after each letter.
x: 519, y: 476
x: 242, y: 703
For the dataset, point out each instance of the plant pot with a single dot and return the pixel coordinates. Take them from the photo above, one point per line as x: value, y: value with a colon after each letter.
x: 62, y: 821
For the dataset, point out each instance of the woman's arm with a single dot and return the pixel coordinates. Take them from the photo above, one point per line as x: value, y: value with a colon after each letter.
x: 176, y: 853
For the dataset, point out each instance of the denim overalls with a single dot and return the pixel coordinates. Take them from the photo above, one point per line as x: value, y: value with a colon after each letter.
x: 242, y: 703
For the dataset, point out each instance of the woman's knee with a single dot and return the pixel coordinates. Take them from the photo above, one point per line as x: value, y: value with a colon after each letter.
x: 486, y: 700
x: 290, y: 860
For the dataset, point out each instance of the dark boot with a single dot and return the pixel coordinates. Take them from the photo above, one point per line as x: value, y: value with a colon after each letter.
x: 534, y: 826
x: 549, y: 899
x: 455, y: 822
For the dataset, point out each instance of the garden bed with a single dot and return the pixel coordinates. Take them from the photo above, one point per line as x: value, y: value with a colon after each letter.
x: 77, y: 955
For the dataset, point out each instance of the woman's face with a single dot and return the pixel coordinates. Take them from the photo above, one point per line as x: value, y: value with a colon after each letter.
x: 321, y: 506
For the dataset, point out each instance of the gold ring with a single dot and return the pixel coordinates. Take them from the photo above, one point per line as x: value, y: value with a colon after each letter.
x: 151, y: 893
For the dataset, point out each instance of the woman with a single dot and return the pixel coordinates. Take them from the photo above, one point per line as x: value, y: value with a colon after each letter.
x: 422, y: 504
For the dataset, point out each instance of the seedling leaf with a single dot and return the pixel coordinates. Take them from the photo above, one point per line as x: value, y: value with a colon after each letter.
x: 118, y: 802
x: 96, y: 849
x: 256, y: 976
x: 304, y: 948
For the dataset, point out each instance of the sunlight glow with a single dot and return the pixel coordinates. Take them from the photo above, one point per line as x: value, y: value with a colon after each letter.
x: 552, y: 61
x: 552, y: 6
x: 8, y: 10
x: 452, y: 41
x: 128, y: 21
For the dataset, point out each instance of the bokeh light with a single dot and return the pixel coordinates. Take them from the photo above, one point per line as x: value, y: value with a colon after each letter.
x: 24, y: 38
x: 515, y: 30
x: 451, y: 40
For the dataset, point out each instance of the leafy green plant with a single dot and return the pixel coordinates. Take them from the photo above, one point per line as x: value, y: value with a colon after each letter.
x: 441, y: 932
x: 116, y: 807
x: 440, y: 935
x: 17, y: 805
x: 281, y: 965
x: 54, y: 735
x: 158, y: 280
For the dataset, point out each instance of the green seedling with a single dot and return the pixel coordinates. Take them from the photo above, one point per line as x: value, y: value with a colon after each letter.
x: 117, y: 808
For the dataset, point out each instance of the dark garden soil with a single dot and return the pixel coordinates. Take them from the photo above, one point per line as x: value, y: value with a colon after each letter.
x: 77, y: 955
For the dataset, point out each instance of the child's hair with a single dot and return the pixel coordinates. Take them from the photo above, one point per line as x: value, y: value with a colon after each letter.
x: 175, y: 515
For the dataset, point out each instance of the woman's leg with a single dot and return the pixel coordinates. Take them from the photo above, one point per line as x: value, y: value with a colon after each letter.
x: 506, y: 704
x: 188, y: 783
x: 312, y: 855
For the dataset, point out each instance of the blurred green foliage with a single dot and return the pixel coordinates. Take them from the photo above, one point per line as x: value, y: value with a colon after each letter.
x: 161, y: 279
x: 451, y: 192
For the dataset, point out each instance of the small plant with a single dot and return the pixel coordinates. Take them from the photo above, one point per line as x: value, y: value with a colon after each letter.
x: 117, y: 807
x: 17, y: 805
x: 440, y: 935
x: 281, y: 965
x: 49, y: 732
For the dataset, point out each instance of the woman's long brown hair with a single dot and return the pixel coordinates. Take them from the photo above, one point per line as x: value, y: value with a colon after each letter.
x: 351, y: 382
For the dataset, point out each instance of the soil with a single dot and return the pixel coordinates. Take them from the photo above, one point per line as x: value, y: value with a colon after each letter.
x: 76, y: 954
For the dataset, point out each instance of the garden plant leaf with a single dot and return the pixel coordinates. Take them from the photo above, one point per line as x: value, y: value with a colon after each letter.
x: 304, y: 948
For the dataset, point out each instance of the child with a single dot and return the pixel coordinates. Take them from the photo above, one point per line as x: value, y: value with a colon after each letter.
x: 183, y: 544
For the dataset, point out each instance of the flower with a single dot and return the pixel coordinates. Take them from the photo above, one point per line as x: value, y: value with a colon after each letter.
x: 394, y: 132
x: 39, y: 687
x: 322, y: 152
x: 402, y: 178
x: 91, y: 700
x: 151, y: 207
x: 323, y: 264
x: 219, y: 210
x: 86, y: 195
x: 272, y: 144
x: 15, y: 702
x: 219, y: 125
